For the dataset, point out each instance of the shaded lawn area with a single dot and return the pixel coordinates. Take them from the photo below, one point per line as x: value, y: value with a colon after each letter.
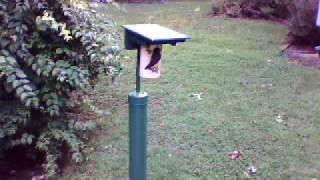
x: 253, y: 100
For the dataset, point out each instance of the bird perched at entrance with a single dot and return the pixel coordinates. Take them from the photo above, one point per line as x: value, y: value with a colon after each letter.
x: 155, y: 58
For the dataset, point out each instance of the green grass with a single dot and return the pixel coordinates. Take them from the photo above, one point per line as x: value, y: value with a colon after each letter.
x: 245, y: 85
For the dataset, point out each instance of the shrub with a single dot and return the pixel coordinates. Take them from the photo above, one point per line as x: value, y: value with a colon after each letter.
x: 50, y: 50
x: 253, y: 8
x: 302, y: 24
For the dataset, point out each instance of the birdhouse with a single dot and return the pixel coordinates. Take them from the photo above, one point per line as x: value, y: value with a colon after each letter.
x: 148, y: 40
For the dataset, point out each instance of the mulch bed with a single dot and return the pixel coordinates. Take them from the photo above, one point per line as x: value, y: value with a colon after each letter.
x: 304, y: 55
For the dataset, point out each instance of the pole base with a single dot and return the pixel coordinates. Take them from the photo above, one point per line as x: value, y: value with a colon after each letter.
x: 138, y: 102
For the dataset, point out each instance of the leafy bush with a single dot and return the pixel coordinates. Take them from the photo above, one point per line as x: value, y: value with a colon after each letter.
x: 252, y: 8
x: 50, y: 50
x: 300, y: 13
x: 302, y: 24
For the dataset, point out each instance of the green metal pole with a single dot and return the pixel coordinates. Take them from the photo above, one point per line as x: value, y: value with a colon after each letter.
x: 138, y: 79
x: 138, y: 102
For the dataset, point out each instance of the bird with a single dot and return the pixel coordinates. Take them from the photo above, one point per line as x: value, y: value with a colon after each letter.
x: 155, y: 58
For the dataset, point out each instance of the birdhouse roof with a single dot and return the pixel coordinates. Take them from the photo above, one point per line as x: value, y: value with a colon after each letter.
x: 155, y: 34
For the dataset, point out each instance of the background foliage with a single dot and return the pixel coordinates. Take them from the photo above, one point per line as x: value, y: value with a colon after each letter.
x: 51, y: 53
x: 267, y: 9
x: 302, y: 23
x: 301, y: 15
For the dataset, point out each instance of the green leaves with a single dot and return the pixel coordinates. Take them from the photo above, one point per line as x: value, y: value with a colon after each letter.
x: 12, y: 118
x: 50, y: 101
x: 48, y: 22
x: 16, y: 78
x: 48, y: 51
x: 4, y: 42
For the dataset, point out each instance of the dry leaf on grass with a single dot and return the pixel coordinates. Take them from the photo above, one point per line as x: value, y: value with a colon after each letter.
x: 196, y: 95
x: 236, y: 155
x: 162, y: 124
x: 157, y: 101
x: 246, y: 174
x: 281, y: 118
x: 211, y: 131
x: 197, y: 9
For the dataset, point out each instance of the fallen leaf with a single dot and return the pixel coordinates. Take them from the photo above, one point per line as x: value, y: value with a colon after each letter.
x: 263, y: 86
x: 229, y: 51
x: 211, y: 131
x: 281, y: 118
x: 236, y: 155
x: 246, y: 82
x: 246, y: 174
x: 197, y: 9
x: 162, y: 141
x: 157, y: 101
x: 150, y: 19
x: 162, y: 124
x: 197, y: 95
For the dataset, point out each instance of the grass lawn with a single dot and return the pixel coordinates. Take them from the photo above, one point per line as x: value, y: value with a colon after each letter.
x: 252, y: 100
